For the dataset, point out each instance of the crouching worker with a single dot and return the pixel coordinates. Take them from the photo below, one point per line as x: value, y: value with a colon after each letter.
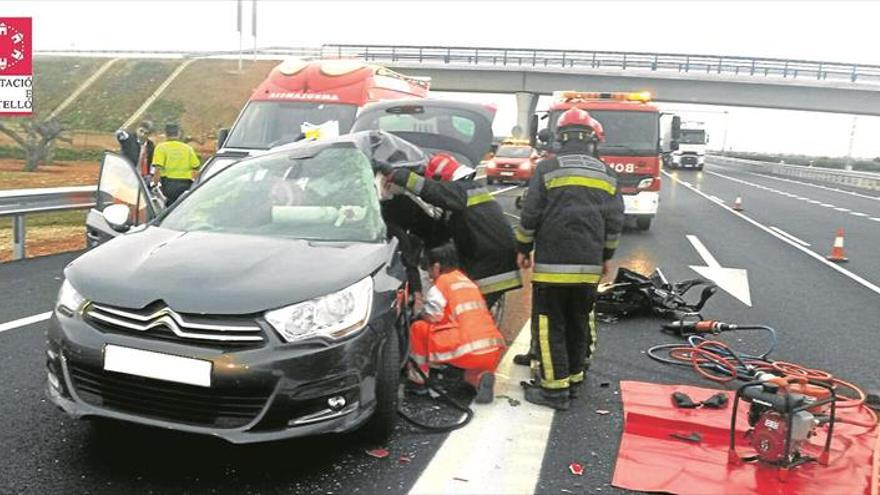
x: 456, y: 327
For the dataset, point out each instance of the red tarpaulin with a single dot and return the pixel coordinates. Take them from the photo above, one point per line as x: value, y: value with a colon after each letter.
x: 650, y: 459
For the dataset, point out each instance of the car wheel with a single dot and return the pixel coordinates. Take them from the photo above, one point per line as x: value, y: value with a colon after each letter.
x: 380, y: 425
x: 489, y: 181
x: 644, y: 223
x: 700, y: 167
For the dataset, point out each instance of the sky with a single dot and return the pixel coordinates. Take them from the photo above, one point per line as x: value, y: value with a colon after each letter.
x: 838, y: 31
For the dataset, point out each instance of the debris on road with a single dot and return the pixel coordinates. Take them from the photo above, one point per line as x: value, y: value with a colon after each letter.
x: 378, y: 453
x: 510, y: 400
x: 602, y: 412
x: 576, y: 469
x: 456, y: 478
x: 404, y: 459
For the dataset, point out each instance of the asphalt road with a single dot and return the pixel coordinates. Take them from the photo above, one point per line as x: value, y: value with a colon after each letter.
x: 825, y: 318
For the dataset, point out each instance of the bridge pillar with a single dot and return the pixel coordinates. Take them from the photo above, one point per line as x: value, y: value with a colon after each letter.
x: 526, y: 103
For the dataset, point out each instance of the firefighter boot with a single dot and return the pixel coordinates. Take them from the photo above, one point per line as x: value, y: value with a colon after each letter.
x: 523, y: 359
x: 484, y: 383
x: 555, y: 399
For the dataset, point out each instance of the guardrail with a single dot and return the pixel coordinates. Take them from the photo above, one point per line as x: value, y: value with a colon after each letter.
x: 18, y: 203
x: 861, y: 180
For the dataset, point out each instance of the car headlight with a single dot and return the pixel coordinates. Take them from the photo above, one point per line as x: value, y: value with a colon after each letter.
x: 333, y: 316
x: 69, y: 300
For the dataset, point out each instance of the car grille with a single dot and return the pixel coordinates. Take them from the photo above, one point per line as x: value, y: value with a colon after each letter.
x: 688, y: 160
x: 508, y: 166
x: 167, y: 400
x: 157, y: 321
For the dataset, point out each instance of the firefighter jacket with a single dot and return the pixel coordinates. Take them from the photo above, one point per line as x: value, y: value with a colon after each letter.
x: 483, y: 238
x: 572, y: 217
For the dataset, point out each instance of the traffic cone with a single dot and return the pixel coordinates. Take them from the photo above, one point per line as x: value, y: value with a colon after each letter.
x: 837, y: 254
x: 738, y: 204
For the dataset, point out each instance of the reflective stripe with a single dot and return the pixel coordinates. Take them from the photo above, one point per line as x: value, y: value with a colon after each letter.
x: 556, y: 384
x: 612, y: 237
x: 591, y: 327
x: 418, y: 358
x: 478, y: 196
x: 461, y: 285
x: 579, y: 172
x: 581, y: 182
x: 612, y: 244
x: 468, y: 306
x: 577, y: 377
x: 580, y: 161
x: 439, y: 170
x: 546, y: 356
x: 566, y: 278
x: 500, y: 282
x: 468, y: 348
x: 415, y: 183
x: 524, y: 235
x: 562, y: 268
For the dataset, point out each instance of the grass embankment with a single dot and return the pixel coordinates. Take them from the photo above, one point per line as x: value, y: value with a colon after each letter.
x: 816, y: 161
x: 47, y: 233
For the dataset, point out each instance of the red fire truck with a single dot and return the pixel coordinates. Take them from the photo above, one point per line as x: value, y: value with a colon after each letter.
x: 634, y: 141
x: 311, y: 93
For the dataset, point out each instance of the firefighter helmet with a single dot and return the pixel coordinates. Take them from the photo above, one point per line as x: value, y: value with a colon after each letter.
x: 445, y: 167
x: 576, y: 120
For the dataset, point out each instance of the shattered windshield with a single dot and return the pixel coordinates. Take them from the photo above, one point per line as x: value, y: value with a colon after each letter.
x: 330, y: 196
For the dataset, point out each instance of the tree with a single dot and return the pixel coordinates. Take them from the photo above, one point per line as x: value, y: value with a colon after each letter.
x: 37, y: 140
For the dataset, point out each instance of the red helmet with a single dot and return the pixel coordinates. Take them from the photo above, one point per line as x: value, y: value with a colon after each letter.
x: 574, y: 119
x: 445, y: 167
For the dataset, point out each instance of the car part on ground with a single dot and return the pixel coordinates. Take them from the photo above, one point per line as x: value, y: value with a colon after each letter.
x: 633, y: 293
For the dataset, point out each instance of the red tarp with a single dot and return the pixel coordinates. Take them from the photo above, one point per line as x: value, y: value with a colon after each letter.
x: 651, y: 460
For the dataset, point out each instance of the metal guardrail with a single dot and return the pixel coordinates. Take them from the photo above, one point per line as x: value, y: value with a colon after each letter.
x: 669, y: 63
x: 861, y: 180
x: 18, y: 203
x: 584, y: 59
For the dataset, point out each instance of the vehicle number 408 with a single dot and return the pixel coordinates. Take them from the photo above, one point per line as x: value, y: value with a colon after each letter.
x: 626, y: 168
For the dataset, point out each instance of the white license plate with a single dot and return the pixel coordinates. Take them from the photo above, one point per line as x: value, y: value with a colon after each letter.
x: 508, y: 174
x: 157, y: 365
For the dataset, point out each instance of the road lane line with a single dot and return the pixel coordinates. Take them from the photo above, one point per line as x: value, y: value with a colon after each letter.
x: 499, y: 191
x: 827, y: 205
x: 23, y: 322
x: 818, y: 257
x: 502, y: 449
x: 874, y: 219
x: 858, y: 214
x: 845, y: 210
x: 786, y: 234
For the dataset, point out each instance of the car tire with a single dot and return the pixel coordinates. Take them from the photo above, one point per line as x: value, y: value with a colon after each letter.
x: 700, y: 168
x: 378, y: 428
x: 644, y: 223
x: 489, y: 181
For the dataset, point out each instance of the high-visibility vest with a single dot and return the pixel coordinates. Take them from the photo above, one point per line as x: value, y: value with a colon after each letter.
x: 466, y: 310
x: 175, y: 160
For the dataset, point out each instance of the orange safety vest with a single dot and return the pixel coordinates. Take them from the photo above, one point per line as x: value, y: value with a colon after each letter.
x: 467, y: 326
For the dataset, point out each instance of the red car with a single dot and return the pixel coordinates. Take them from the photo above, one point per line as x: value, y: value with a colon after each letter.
x: 511, y: 163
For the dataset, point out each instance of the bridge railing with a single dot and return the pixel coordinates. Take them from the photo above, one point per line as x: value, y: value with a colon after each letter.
x: 717, y: 65
x: 850, y: 178
x: 18, y: 203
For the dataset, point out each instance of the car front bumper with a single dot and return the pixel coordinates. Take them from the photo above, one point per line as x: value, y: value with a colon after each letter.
x: 256, y: 394
x: 511, y: 174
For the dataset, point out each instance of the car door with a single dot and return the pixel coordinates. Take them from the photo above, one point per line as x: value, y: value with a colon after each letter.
x: 119, y: 183
x: 461, y: 129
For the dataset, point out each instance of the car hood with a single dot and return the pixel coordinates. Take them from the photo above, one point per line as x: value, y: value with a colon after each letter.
x: 215, y: 273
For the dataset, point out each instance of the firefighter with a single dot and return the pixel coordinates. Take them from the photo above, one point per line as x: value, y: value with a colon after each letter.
x: 175, y: 163
x: 138, y: 148
x: 482, y: 236
x: 572, y: 217
x: 455, y: 327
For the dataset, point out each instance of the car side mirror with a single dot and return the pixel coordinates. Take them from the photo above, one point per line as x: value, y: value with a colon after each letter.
x: 117, y: 216
x: 222, y: 134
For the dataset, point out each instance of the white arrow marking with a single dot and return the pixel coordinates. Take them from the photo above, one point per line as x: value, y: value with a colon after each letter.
x: 734, y: 281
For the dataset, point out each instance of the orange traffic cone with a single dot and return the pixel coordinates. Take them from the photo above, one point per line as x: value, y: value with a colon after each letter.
x: 738, y: 204
x: 837, y: 254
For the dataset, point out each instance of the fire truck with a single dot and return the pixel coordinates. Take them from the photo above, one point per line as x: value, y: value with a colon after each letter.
x: 636, y: 134
x: 309, y: 98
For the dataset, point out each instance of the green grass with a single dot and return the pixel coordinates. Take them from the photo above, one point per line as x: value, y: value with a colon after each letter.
x: 117, y: 94
x: 816, y: 161
x: 54, y: 219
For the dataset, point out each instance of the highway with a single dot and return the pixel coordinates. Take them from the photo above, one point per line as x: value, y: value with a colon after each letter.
x: 826, y: 315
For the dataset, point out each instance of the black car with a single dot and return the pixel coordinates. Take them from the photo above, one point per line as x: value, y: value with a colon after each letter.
x: 264, y: 304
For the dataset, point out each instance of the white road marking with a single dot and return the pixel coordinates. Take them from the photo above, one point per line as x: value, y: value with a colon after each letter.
x: 826, y: 188
x: 501, y: 450
x: 815, y: 202
x: 845, y: 210
x: 23, y: 322
x: 818, y: 257
x: 874, y: 219
x: 793, y: 238
x: 858, y: 214
x: 734, y: 281
x: 499, y: 191
x: 826, y: 205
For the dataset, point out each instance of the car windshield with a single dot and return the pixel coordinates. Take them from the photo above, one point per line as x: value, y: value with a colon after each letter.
x: 330, y: 196
x: 266, y: 124
x: 513, y: 152
x: 695, y: 136
x: 626, y: 132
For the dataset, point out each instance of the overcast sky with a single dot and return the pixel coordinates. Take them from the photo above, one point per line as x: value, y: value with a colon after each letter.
x: 833, y: 30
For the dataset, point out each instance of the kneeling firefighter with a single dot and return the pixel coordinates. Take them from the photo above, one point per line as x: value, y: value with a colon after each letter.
x: 455, y: 327
x: 572, y: 216
x: 482, y: 236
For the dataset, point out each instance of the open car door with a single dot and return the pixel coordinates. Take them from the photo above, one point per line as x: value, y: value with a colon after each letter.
x: 461, y: 129
x: 119, y: 183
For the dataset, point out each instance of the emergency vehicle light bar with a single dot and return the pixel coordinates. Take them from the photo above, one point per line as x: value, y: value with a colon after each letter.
x: 575, y: 96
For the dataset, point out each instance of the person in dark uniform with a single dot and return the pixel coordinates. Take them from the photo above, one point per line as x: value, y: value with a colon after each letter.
x: 572, y: 217
x: 138, y: 148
